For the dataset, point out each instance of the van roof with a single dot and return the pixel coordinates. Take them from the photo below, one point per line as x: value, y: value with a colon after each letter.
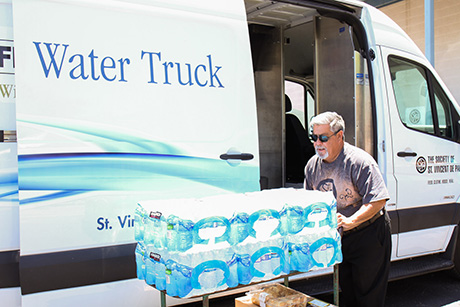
x: 381, y: 30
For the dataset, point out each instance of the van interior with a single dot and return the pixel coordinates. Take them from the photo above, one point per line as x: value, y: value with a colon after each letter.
x: 306, y: 61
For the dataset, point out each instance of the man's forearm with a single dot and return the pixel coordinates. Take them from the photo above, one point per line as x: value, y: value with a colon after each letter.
x: 364, y: 213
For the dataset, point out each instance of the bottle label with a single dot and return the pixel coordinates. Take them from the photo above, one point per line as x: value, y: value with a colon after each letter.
x: 155, y: 215
x: 155, y: 256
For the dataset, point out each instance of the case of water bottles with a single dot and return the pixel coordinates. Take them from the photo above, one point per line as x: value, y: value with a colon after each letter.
x: 192, y: 247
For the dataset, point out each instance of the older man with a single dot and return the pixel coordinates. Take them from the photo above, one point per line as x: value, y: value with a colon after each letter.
x: 354, y: 177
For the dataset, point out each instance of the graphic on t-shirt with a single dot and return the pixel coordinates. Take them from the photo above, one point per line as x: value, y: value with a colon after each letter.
x: 326, y: 185
x: 347, y: 195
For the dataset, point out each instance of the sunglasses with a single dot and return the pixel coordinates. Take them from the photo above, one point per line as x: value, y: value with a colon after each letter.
x: 322, y: 138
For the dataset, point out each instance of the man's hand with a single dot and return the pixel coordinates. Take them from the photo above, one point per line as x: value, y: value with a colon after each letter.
x: 366, y: 212
x: 345, y: 222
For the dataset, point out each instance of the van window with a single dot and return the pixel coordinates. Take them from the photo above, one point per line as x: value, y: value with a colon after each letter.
x: 443, y: 111
x: 296, y: 93
x: 422, y: 104
x: 411, y: 92
x: 303, y: 101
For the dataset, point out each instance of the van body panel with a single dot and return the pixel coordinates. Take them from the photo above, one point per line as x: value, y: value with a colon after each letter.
x: 119, y: 102
x: 138, y: 149
x: 385, y: 32
x: 418, y: 167
x: 10, y: 292
x: 104, y: 123
x: 424, y: 241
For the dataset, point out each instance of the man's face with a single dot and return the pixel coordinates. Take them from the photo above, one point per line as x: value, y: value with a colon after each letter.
x: 330, y: 150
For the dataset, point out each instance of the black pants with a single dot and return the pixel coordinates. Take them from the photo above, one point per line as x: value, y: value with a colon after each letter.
x: 363, y: 274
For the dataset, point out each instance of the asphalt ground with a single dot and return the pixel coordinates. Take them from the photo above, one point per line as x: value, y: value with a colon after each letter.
x: 438, y: 289
x: 430, y: 290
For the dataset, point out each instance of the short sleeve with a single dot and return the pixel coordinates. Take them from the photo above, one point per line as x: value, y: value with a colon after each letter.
x: 370, y: 183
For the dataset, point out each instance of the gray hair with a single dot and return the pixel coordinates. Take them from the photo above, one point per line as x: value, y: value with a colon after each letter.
x: 334, y: 120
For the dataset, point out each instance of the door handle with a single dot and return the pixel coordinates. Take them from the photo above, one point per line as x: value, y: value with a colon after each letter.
x: 404, y: 154
x: 237, y: 156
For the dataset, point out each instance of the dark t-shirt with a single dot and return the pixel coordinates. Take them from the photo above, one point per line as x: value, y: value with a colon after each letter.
x: 354, y: 177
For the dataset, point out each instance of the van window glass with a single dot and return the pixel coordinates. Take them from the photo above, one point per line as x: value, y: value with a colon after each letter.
x: 411, y: 93
x: 310, y: 108
x: 443, y: 112
x: 296, y: 93
x: 422, y: 103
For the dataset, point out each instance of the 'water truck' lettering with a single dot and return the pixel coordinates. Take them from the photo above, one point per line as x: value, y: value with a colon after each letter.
x: 55, y: 60
x: 199, y: 76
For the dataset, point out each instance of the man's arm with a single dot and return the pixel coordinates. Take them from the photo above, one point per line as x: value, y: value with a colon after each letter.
x: 363, y: 214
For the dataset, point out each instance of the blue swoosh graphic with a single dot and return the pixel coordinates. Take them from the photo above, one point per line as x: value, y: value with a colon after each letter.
x: 50, y: 196
x: 8, y: 186
x: 9, y: 193
x: 129, y: 171
x: 123, y: 141
x: 129, y: 163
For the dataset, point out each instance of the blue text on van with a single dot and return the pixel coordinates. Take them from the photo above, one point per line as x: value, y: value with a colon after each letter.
x: 109, y: 69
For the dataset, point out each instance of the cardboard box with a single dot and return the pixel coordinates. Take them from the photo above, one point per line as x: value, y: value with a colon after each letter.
x: 244, y: 301
x: 276, y: 295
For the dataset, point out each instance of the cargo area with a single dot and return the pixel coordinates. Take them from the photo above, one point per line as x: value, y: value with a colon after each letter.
x: 305, y: 63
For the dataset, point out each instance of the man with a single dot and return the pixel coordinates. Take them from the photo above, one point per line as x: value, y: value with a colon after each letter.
x: 361, y: 194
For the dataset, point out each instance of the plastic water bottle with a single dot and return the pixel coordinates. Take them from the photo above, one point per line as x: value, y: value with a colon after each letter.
x: 182, y: 277
x: 268, y: 262
x: 179, y: 234
x: 333, y: 210
x: 210, y: 276
x: 239, y: 228
x: 275, y: 263
x: 209, y: 279
x: 150, y: 272
x: 155, y: 270
x: 140, y: 215
x: 232, y: 280
x: 324, y: 252
x: 211, y: 230
x: 153, y: 263
x: 300, y: 258
x: 160, y: 275
x: 291, y: 220
x: 171, y: 284
x: 244, y: 269
x: 178, y: 281
x: 140, y: 260
x: 318, y: 215
x: 264, y: 224
x: 155, y: 229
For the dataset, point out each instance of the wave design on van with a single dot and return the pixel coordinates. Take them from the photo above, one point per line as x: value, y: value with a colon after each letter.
x: 50, y: 196
x: 90, y: 135
x: 129, y: 172
x: 10, y: 196
x: 8, y: 186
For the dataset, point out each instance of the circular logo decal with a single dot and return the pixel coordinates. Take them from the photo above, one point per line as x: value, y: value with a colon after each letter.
x: 421, y: 165
x: 414, y: 116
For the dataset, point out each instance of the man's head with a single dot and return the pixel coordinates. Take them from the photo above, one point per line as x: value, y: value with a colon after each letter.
x: 327, y: 134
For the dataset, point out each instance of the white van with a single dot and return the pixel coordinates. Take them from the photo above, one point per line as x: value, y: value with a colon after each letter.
x: 105, y: 103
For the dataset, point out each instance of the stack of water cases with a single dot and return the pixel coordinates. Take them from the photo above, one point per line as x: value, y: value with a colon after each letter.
x: 191, y: 247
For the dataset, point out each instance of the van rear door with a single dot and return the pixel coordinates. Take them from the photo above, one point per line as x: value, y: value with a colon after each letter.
x: 119, y: 102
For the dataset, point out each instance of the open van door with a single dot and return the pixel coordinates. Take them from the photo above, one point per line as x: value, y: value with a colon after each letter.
x: 120, y: 102
x: 426, y: 152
